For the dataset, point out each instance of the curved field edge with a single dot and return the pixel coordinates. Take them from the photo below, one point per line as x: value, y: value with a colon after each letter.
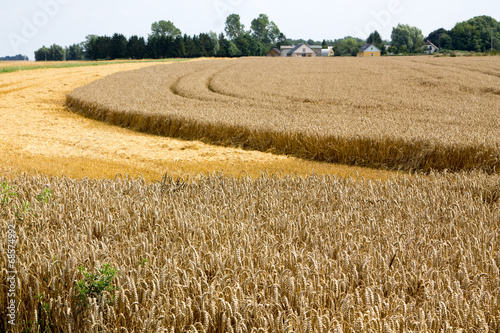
x: 386, y: 153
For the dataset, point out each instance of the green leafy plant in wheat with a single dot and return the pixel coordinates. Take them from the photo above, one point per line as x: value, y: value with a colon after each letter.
x: 7, y: 193
x: 94, y: 284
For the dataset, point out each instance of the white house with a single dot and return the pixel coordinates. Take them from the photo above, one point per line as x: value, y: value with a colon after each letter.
x: 301, y: 50
x: 430, y: 48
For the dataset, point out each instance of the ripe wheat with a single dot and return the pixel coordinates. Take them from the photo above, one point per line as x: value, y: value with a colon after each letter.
x: 314, y: 254
x: 398, y: 113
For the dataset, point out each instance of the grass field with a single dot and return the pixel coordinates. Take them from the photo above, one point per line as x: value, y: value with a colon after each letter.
x: 348, y: 249
x: 393, y: 113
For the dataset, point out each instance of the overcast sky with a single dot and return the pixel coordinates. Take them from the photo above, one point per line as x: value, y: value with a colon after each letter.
x: 27, y: 25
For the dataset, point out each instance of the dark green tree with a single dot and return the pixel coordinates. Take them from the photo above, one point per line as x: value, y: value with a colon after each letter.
x: 118, y: 47
x: 42, y: 54
x: 103, y: 46
x: 189, y: 46
x: 445, y: 42
x: 376, y: 39
x: 136, y: 47
x: 74, y: 52
x: 208, y: 45
x: 324, y: 45
x: 223, y: 46
x: 466, y: 37
x: 57, y: 52
x: 347, y: 46
x: 178, y: 49
x: 53, y: 53
x: 476, y: 34
x: 436, y: 36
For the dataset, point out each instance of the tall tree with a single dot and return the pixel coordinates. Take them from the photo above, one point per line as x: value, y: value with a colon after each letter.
x: 42, y: 54
x: 466, y: 37
x: 407, y: 38
x: 165, y: 28
x: 273, y: 32
x: 445, y: 42
x: 90, y: 47
x: 281, y: 40
x: 488, y: 28
x: 436, y: 36
x: 74, y: 52
x: 223, y: 46
x: 178, y: 49
x: 233, y: 27
x: 376, y: 39
x: 53, y: 53
x: 260, y: 29
x: 476, y: 34
x: 347, y: 46
x: 57, y: 52
x: 136, y: 47
x: 118, y: 48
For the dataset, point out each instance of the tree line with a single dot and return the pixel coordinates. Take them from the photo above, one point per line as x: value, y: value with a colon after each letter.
x: 14, y: 58
x: 167, y: 41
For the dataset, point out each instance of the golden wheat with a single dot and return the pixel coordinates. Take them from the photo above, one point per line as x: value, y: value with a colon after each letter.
x: 56, y: 142
x: 314, y: 254
x: 400, y: 113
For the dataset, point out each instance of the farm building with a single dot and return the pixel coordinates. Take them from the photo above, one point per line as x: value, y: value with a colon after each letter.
x: 327, y: 52
x: 301, y: 50
x: 430, y: 48
x: 369, y: 50
x: 275, y: 52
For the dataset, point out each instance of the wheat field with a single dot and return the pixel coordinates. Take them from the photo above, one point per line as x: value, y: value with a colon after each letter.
x: 401, y: 113
x: 38, y: 134
x: 315, y: 254
x: 348, y: 250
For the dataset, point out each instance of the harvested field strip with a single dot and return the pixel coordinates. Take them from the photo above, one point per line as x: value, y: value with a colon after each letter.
x: 419, y: 254
x: 381, y: 113
x: 14, y: 66
x: 38, y: 134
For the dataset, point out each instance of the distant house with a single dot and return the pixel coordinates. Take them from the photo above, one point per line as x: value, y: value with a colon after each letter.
x: 369, y: 50
x: 301, y: 50
x: 275, y: 52
x: 284, y: 49
x: 430, y: 48
x: 327, y: 52
x: 317, y: 49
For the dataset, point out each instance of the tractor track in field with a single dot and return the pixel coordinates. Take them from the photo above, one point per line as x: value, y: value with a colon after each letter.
x: 39, y: 134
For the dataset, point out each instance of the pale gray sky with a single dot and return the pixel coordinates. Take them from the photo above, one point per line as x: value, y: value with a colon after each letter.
x: 27, y: 25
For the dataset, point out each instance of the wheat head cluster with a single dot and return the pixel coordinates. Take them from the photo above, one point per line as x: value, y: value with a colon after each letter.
x: 318, y: 254
x: 395, y: 113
